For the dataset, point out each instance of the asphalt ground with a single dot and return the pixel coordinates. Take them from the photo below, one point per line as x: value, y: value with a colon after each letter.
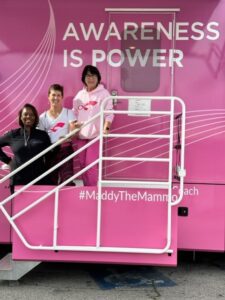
x: 197, y: 276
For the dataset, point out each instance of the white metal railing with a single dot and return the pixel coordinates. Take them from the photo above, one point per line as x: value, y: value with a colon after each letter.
x: 146, y: 184
x: 59, y: 142
x: 160, y: 184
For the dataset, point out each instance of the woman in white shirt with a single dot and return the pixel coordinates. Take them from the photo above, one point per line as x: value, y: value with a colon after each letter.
x: 56, y: 121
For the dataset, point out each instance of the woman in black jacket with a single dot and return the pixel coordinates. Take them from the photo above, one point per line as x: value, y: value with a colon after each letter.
x: 25, y: 142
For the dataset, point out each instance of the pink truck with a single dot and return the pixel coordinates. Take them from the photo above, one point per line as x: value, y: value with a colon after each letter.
x: 161, y: 185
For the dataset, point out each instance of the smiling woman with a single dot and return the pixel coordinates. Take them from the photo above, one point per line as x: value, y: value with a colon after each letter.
x: 58, y: 121
x: 86, y: 104
x: 25, y: 142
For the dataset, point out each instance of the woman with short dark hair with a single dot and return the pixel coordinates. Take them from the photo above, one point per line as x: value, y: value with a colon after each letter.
x: 87, y: 104
x: 25, y: 143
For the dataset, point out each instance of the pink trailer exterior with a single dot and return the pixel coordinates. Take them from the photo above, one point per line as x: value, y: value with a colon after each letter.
x: 125, y: 223
x: 144, y: 48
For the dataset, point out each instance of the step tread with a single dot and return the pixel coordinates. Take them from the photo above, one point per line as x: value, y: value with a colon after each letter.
x: 14, y: 270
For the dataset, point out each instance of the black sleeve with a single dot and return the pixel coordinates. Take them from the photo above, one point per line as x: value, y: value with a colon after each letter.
x: 47, y: 156
x: 48, y: 141
x: 46, y: 138
x: 5, y: 141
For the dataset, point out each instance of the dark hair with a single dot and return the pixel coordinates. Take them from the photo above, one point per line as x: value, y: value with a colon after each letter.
x: 56, y: 87
x: 92, y: 70
x: 34, y: 110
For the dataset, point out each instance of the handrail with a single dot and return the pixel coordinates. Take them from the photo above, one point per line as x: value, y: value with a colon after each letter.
x: 49, y: 171
x: 127, y: 135
x: 56, y: 189
x: 139, y: 112
x: 171, y: 114
x: 160, y: 98
x: 182, y: 169
x: 134, y: 158
x: 59, y: 142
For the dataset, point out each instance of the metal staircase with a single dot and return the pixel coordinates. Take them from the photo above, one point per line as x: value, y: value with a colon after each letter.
x: 13, y: 270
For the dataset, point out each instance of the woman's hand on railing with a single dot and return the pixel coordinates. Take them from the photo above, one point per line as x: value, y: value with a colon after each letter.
x: 106, y: 130
x: 106, y: 127
x: 75, y: 125
x: 65, y: 141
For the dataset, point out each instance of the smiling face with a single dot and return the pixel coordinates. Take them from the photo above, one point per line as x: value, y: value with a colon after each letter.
x: 28, y: 117
x: 55, y: 98
x: 91, y: 81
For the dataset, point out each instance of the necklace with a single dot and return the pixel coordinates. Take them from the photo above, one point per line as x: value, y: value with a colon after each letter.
x: 26, y: 138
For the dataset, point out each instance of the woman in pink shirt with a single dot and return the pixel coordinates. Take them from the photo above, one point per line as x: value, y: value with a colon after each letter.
x: 86, y: 104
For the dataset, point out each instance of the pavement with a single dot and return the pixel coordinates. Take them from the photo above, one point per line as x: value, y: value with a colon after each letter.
x: 197, y: 276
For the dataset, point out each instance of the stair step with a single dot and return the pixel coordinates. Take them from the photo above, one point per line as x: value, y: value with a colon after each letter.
x: 6, y: 263
x: 14, y: 270
x: 135, y: 184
